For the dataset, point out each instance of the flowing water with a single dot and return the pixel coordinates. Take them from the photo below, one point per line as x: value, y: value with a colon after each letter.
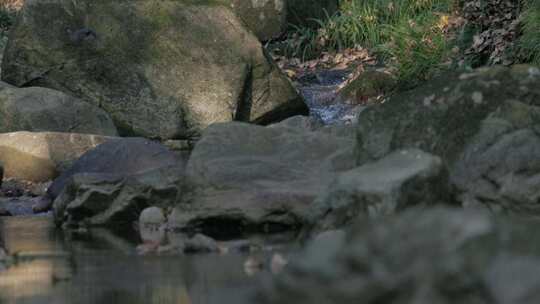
x: 52, y: 266
x: 320, y: 91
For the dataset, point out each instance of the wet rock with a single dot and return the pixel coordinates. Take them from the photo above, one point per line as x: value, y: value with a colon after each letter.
x: 483, y: 124
x: 161, y: 69
x: 42, y: 156
x: 113, y: 183
x: 245, y: 177
x: 420, y: 256
x: 366, y: 88
x: 44, y: 110
x: 152, y: 216
x: 403, y: 179
x: 152, y: 225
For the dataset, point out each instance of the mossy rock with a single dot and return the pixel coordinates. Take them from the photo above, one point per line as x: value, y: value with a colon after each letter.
x: 366, y: 87
x: 161, y: 69
x: 484, y: 124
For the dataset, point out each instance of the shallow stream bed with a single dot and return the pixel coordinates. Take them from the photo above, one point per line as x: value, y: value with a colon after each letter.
x: 99, y: 266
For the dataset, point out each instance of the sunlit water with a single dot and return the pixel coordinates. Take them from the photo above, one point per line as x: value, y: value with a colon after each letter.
x: 100, y: 267
x: 320, y: 93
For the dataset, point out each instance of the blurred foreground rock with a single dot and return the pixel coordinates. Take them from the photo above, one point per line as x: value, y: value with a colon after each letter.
x: 421, y: 256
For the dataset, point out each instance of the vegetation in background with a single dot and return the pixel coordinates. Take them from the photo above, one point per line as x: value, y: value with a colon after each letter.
x: 490, y: 32
x: 418, y: 49
x: 409, y: 35
x: 501, y: 32
x: 529, y: 42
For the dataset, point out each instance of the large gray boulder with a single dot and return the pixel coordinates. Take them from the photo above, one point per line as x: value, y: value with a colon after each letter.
x: 45, y: 110
x: 401, y: 180
x: 418, y: 257
x: 483, y: 124
x: 114, y: 182
x: 161, y: 69
x: 42, y: 156
x: 249, y: 177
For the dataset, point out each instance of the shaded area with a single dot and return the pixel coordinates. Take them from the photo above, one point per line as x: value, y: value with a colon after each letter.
x: 99, y: 266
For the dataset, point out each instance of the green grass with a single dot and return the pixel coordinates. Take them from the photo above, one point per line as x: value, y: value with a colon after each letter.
x: 405, y: 33
x: 529, y: 42
x: 417, y: 50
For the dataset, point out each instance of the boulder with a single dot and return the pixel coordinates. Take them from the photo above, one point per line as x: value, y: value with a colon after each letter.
x: 42, y: 156
x: 161, y: 69
x: 434, y: 255
x: 366, y: 88
x: 403, y: 179
x: 44, y: 110
x: 115, y: 200
x: 483, y: 124
x: 119, y: 157
x: 113, y: 183
x: 245, y: 177
x: 267, y: 18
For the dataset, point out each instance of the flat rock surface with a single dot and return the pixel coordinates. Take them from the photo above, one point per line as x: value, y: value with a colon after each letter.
x: 249, y: 176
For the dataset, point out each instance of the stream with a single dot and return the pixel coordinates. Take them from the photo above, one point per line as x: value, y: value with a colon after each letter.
x: 320, y: 90
x: 102, y: 266
x: 52, y: 266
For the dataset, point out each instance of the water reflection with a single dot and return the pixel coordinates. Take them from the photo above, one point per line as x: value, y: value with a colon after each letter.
x: 100, y: 267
